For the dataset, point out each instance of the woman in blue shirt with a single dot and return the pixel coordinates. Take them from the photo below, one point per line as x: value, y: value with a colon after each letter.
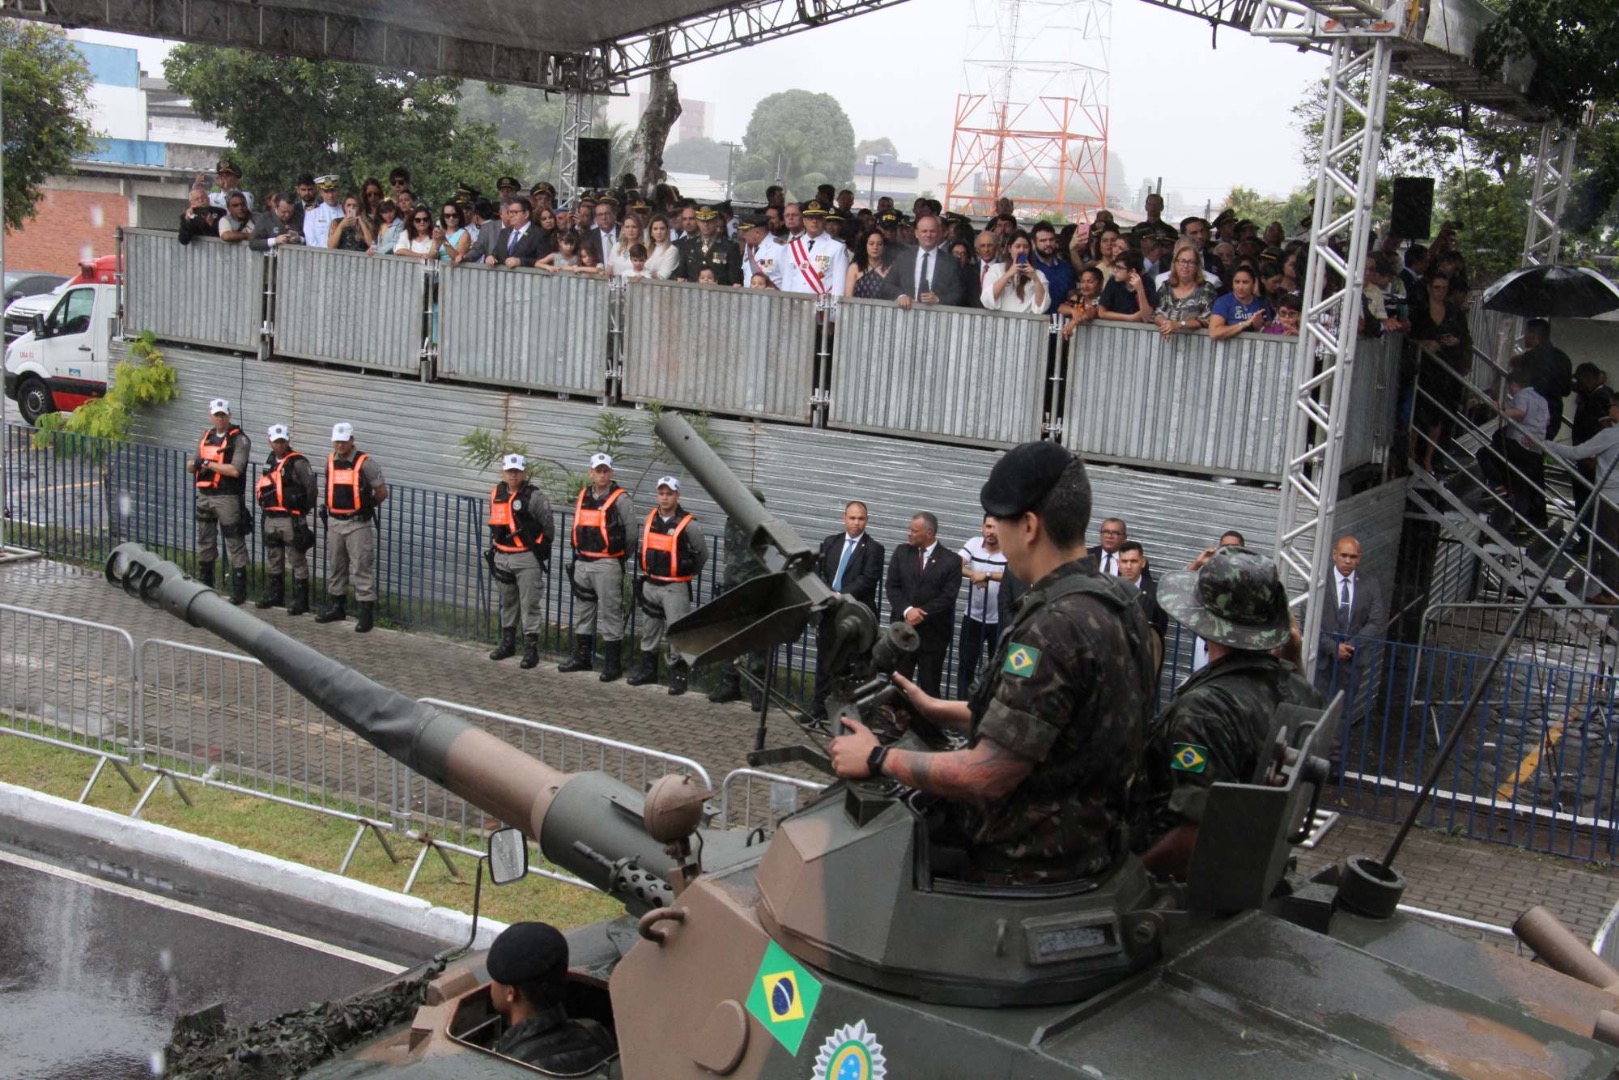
x: 1240, y: 309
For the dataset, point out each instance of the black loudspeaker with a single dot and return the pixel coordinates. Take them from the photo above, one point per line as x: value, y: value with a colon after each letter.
x: 1412, y: 216
x: 594, y: 169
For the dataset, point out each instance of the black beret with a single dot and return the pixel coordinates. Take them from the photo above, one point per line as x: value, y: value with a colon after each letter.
x: 1021, y: 478
x: 528, y: 952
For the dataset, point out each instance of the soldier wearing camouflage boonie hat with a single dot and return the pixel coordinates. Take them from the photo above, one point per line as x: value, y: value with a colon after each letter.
x: 1217, y: 727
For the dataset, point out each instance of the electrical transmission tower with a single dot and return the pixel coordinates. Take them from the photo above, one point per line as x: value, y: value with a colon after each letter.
x: 1031, y: 121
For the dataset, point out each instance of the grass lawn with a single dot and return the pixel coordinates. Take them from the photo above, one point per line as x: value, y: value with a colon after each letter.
x: 298, y: 835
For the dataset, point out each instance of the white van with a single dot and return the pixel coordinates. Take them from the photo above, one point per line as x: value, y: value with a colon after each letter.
x: 61, y: 362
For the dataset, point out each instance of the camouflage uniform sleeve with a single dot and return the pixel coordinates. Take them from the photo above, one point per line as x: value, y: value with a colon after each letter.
x: 1043, y: 676
x: 1197, y: 735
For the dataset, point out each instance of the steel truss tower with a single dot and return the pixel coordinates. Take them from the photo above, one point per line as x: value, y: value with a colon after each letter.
x: 1031, y: 121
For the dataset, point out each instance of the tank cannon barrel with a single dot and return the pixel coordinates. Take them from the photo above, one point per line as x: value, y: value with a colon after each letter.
x: 561, y: 811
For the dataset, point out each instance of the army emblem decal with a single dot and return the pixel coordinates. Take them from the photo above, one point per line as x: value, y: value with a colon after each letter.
x: 850, y: 1053
x: 1021, y: 660
x: 1188, y: 757
x: 784, y: 997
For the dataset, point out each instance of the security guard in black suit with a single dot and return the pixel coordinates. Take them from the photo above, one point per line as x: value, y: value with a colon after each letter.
x: 710, y: 249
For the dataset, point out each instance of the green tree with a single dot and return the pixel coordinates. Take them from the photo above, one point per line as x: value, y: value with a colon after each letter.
x: 46, y: 111
x: 881, y: 146
x: 287, y: 116
x: 800, y: 138
x: 528, y: 121
x: 1250, y: 204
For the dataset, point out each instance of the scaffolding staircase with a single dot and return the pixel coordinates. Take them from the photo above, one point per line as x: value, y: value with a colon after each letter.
x: 1463, y: 495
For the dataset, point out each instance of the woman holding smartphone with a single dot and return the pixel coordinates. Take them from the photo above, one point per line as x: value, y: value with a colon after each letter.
x: 352, y: 231
x: 1013, y: 284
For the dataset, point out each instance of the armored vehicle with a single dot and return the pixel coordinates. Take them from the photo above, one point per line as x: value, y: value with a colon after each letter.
x: 842, y: 948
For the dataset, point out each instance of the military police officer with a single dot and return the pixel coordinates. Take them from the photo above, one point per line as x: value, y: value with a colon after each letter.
x: 1216, y: 728
x: 1039, y: 794
x: 602, y: 516
x: 287, y: 495
x: 672, y: 555
x: 520, y: 552
x: 220, y: 467
x: 354, y: 490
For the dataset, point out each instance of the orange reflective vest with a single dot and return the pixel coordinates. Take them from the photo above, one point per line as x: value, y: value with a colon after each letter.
x: 593, y: 538
x: 507, y: 536
x: 661, y: 558
x: 216, y: 448
x: 275, y: 495
x: 346, y: 495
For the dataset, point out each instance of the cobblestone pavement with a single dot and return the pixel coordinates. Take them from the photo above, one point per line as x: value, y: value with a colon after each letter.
x: 1488, y: 882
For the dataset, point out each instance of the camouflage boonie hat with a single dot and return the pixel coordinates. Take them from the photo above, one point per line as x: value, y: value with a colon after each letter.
x: 1236, y: 600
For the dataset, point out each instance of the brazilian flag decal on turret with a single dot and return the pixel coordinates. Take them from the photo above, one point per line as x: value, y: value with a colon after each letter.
x: 783, y: 998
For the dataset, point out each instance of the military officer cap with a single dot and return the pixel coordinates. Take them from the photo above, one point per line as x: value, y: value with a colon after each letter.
x: 528, y: 952
x: 707, y: 213
x: 228, y: 167
x: 1237, y: 600
x: 508, y: 182
x: 279, y: 432
x: 543, y: 188
x: 327, y: 182
x: 607, y: 197
x: 814, y: 208
x: 1022, y: 477
x: 753, y: 221
x: 1225, y: 215
x: 890, y: 219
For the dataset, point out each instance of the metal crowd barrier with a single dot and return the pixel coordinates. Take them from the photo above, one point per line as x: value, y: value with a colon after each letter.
x: 69, y: 683
x: 741, y: 352
x: 968, y: 376
x: 524, y: 328
x: 341, y: 307
x: 206, y: 293
x: 755, y: 800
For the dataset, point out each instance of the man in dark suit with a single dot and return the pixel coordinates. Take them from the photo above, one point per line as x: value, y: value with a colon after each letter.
x: 852, y: 563
x: 923, y: 580
x: 520, y: 243
x: 1132, y: 560
x: 928, y: 274
x: 602, y: 231
x: 1353, y: 620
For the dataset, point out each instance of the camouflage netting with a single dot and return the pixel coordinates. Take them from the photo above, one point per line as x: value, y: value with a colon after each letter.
x: 295, y: 1042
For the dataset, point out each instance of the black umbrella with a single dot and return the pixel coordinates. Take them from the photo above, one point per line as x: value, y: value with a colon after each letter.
x: 1553, y: 292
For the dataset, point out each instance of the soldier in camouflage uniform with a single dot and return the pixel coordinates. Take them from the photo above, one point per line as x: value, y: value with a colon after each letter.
x: 1217, y: 727
x: 1054, y: 732
x: 741, y: 564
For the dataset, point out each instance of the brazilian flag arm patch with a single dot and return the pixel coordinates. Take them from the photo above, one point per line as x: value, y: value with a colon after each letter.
x: 1189, y: 757
x: 1021, y: 660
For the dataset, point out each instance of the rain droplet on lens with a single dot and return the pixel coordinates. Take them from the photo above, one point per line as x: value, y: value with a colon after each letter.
x: 125, y: 504
x: 165, y: 960
x: 159, y: 1063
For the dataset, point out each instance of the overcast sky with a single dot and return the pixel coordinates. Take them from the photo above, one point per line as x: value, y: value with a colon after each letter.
x: 1204, y: 119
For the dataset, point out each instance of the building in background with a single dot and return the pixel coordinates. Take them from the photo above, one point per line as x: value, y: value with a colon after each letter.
x: 149, y: 144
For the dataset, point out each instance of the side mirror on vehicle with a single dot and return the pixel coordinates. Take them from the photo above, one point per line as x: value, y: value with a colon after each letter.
x: 508, y: 856
x: 39, y: 326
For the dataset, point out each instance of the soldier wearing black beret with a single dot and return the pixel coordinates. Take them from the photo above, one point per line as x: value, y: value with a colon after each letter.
x: 528, y: 972
x: 1054, y: 722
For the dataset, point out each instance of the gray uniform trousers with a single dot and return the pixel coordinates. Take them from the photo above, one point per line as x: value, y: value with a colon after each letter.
x: 673, y: 599
x: 604, y: 577
x: 523, y: 597
x: 278, y: 556
x: 351, y: 553
x: 216, y: 515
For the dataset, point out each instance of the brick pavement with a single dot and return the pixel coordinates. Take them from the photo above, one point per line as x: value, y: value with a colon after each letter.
x: 1488, y: 882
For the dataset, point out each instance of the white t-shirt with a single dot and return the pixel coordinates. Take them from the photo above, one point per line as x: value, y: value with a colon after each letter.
x: 983, y: 604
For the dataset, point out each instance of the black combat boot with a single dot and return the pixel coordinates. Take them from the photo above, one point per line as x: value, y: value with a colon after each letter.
x: 678, y: 673
x: 275, y: 593
x: 300, y: 597
x: 531, y: 652
x: 583, y: 646
x: 646, y: 671
x: 367, y: 619
x: 612, y: 661
x: 238, y: 586
x: 205, y: 573
x: 730, y: 686
x: 336, y: 610
x: 508, y: 644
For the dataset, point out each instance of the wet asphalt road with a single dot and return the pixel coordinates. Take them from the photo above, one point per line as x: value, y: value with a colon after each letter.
x: 93, y: 972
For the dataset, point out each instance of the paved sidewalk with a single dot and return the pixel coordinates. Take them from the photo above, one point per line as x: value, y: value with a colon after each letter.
x: 1488, y: 882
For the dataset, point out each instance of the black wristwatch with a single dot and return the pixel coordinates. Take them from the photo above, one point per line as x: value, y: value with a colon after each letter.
x: 874, y: 760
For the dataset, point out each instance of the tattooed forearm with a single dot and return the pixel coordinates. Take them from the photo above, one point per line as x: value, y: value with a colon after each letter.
x: 985, y: 771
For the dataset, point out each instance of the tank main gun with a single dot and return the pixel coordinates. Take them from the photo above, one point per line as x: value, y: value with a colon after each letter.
x: 587, y: 823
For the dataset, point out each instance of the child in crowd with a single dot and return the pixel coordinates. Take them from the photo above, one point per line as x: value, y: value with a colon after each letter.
x: 590, y: 262
x: 1083, y: 304
x: 566, y: 256
x: 705, y: 276
x: 1287, y: 315
x: 759, y: 281
x: 638, y: 262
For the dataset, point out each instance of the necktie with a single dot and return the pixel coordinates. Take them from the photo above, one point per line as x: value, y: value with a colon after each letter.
x: 927, y: 278
x: 922, y: 561
x: 1108, y: 563
x: 811, y: 244
x: 983, y: 272
x: 1343, y: 603
x: 843, y: 564
x: 511, y: 242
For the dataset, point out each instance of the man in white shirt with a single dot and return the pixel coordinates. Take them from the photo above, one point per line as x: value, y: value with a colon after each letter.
x: 229, y: 175
x: 318, y: 220
x: 761, y: 254
x: 983, y: 565
x: 816, y: 263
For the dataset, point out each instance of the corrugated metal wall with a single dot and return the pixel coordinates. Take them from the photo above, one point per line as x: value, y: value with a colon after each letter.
x: 1373, y: 396
x: 342, y: 307
x: 948, y: 373
x: 206, y: 293
x: 742, y: 352
x: 1217, y: 407
x: 524, y: 328
x: 1376, y: 518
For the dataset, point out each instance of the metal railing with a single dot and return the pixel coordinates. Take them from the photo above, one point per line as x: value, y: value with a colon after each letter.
x: 755, y: 800
x: 207, y: 293
x: 70, y: 683
x: 342, y: 307
x: 524, y: 328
